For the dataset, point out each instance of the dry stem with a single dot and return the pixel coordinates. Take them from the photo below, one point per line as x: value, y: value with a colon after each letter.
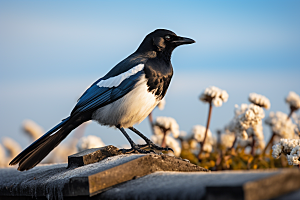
x: 292, y: 109
x: 253, y: 146
x: 151, y: 122
x: 207, y: 127
x: 269, y: 143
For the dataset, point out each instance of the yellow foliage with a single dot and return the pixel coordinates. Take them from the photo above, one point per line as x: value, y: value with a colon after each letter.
x: 235, y: 159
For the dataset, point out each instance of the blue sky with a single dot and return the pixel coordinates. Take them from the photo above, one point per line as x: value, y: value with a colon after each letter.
x: 50, y: 52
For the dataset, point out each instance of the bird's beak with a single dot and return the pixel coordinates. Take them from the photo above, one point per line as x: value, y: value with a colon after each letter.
x: 183, y: 40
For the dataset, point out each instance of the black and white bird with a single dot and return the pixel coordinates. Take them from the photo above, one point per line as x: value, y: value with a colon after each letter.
x: 123, y: 97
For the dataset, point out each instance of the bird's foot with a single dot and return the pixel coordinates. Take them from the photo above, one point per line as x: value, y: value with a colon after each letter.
x: 135, y: 149
x: 153, y: 146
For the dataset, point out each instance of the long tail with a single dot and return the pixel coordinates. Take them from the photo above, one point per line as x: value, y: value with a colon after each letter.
x: 38, y: 150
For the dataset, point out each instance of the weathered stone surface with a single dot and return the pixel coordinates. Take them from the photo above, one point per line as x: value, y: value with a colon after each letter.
x: 215, y: 185
x: 87, y: 180
x: 265, y: 188
x: 90, y: 156
x: 137, y: 168
x: 292, y: 196
x: 143, y: 176
x: 55, y: 180
x: 274, y: 186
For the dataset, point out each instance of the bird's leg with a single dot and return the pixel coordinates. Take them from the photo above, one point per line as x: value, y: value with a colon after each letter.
x: 134, y: 147
x: 149, y: 144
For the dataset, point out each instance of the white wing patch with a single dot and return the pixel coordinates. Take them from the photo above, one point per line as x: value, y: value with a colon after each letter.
x: 117, y: 80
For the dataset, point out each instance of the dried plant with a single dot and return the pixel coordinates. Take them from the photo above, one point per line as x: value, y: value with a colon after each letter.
x: 32, y: 129
x: 227, y: 139
x: 281, y: 126
x: 297, y: 121
x: 160, y: 106
x: 169, y: 141
x: 290, y: 148
x: 3, y: 159
x: 163, y: 128
x: 247, y: 122
x: 167, y: 125
x: 293, y: 100
x: 197, y: 136
x: 259, y: 100
x: 12, y: 147
x: 89, y: 142
x: 213, y: 96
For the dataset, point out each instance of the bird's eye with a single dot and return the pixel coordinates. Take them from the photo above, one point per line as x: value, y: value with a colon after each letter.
x: 167, y: 37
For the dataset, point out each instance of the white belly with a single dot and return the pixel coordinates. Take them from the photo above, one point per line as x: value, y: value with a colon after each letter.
x: 131, y: 109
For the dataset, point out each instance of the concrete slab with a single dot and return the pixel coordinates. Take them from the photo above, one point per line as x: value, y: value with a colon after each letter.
x: 58, y: 181
x: 290, y: 196
x: 52, y: 180
x: 90, y: 156
x: 103, y: 174
x: 214, y: 185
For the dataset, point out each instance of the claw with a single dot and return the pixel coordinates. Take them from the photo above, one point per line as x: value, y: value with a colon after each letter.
x: 143, y: 146
x: 126, y: 151
x: 140, y: 149
x: 135, y: 149
x: 153, y: 146
x: 149, y: 144
x: 171, y: 149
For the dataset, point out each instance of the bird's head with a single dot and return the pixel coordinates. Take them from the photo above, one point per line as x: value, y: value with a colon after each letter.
x: 162, y: 40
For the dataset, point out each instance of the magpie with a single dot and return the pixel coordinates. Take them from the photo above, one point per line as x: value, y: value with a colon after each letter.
x: 125, y: 96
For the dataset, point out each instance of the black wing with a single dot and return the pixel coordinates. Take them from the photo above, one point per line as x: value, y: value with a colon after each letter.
x: 96, y: 97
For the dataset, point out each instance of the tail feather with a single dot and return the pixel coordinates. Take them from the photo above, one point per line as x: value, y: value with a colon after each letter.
x: 38, y: 150
x: 39, y: 153
x: 39, y: 141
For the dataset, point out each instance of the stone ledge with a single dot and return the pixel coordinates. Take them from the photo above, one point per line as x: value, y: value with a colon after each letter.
x: 265, y: 188
x: 90, y: 156
x: 224, y: 185
x: 101, y: 174
x: 85, y: 176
